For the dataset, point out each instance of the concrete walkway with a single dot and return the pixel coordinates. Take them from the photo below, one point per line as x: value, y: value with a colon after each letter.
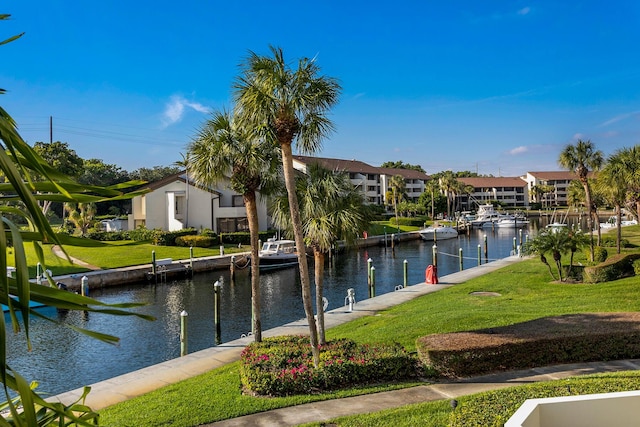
x: 139, y: 382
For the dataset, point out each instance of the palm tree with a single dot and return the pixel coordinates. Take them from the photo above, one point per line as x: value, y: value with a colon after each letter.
x: 432, y: 186
x: 580, y: 158
x: 19, y: 165
x: 398, y: 189
x: 331, y: 210
x: 183, y: 163
x: 613, y: 182
x: 81, y: 215
x: 292, y: 105
x: 225, y: 147
x: 557, y: 242
x: 448, y: 184
x: 630, y: 158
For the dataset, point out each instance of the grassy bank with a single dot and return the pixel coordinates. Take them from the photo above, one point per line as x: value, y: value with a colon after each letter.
x: 525, y: 294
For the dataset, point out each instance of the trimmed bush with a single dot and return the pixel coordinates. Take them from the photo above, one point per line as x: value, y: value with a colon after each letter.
x: 168, y: 238
x: 600, y: 254
x: 414, y: 221
x: 615, y: 267
x: 283, y: 366
x: 546, y: 341
x: 196, y: 241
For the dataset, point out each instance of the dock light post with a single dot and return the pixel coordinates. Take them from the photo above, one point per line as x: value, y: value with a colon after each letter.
x: 372, y: 287
x: 520, y: 236
x: 405, y: 265
x: 515, y: 244
x: 183, y: 333
x: 479, y: 255
x: 385, y: 236
x: 393, y: 243
x: 216, y: 303
x: 84, y: 286
x: 434, y: 254
x: 221, y: 249
x: 369, y: 264
x: 460, y: 256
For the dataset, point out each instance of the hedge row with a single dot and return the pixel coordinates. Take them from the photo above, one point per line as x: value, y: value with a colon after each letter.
x: 615, y: 267
x: 185, y: 237
x: 546, y: 341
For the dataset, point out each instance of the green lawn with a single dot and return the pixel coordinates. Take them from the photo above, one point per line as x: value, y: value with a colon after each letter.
x: 112, y: 254
x: 526, y: 294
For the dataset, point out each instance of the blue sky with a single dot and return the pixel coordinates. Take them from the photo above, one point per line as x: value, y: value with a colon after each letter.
x: 497, y: 87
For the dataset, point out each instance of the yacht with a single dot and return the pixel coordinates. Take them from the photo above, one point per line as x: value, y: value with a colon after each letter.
x: 278, y: 254
x: 433, y: 234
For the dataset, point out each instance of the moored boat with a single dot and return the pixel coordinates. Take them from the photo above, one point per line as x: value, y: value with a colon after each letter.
x: 438, y: 233
x: 278, y: 254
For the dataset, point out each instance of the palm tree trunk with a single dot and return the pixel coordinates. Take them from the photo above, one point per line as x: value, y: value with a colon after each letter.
x: 587, y: 195
x: 318, y: 257
x: 618, y: 226
x: 305, y: 283
x: 254, y: 227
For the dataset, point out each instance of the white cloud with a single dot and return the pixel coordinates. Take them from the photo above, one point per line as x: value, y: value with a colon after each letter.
x: 519, y: 150
x: 177, y: 107
x: 620, y: 117
x: 524, y: 11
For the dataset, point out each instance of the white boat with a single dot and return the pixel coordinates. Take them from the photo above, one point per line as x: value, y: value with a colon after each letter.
x: 278, y: 254
x: 440, y: 233
x: 555, y: 227
x: 613, y: 221
x: 511, y: 223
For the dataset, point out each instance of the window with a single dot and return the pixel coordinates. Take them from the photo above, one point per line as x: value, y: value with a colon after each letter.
x: 237, y: 201
x: 232, y: 225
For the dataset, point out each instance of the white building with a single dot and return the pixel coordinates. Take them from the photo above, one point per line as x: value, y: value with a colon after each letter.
x: 173, y: 204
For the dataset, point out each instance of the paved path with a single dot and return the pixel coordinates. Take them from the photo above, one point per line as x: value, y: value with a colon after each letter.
x: 57, y: 251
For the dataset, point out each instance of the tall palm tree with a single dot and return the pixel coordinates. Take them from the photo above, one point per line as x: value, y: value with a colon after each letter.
x: 331, y: 209
x: 224, y: 148
x: 292, y: 104
x: 448, y: 184
x: 580, y: 158
x: 398, y: 189
x: 432, y: 186
x: 613, y: 182
x: 630, y: 157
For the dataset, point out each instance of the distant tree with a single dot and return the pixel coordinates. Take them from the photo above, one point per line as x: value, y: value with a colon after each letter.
x: 97, y: 172
x: 397, y: 192
x: 580, y: 158
x: 156, y: 173
x: 400, y: 165
x: 432, y: 199
x: 81, y: 215
x: 59, y: 156
x: 558, y: 242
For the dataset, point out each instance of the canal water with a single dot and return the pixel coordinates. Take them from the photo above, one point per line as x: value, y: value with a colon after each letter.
x: 63, y: 359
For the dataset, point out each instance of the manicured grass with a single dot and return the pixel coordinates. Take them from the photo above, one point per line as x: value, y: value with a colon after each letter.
x: 526, y: 293
x: 113, y: 254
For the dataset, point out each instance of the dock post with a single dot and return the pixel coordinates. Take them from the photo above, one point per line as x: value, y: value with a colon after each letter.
x: 372, y: 288
x: 191, y: 259
x: 406, y: 272
x: 460, y: 256
x: 183, y: 333
x: 434, y: 250
x: 84, y: 286
x: 369, y: 264
x: 153, y: 265
x: 232, y: 267
x: 216, y: 304
x: 486, y: 249
x: 479, y: 255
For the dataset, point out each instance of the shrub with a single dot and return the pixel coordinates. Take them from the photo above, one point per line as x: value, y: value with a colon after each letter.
x: 611, y: 242
x: 546, y: 341
x: 108, y: 236
x: 636, y: 267
x: 415, y: 222
x: 283, y: 366
x: 168, y: 238
x: 600, y: 254
x: 615, y: 267
x: 196, y: 241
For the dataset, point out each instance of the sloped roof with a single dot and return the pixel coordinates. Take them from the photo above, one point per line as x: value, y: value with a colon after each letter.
x: 489, y: 182
x: 557, y: 175
x: 339, y: 164
x: 405, y: 173
x: 179, y: 176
